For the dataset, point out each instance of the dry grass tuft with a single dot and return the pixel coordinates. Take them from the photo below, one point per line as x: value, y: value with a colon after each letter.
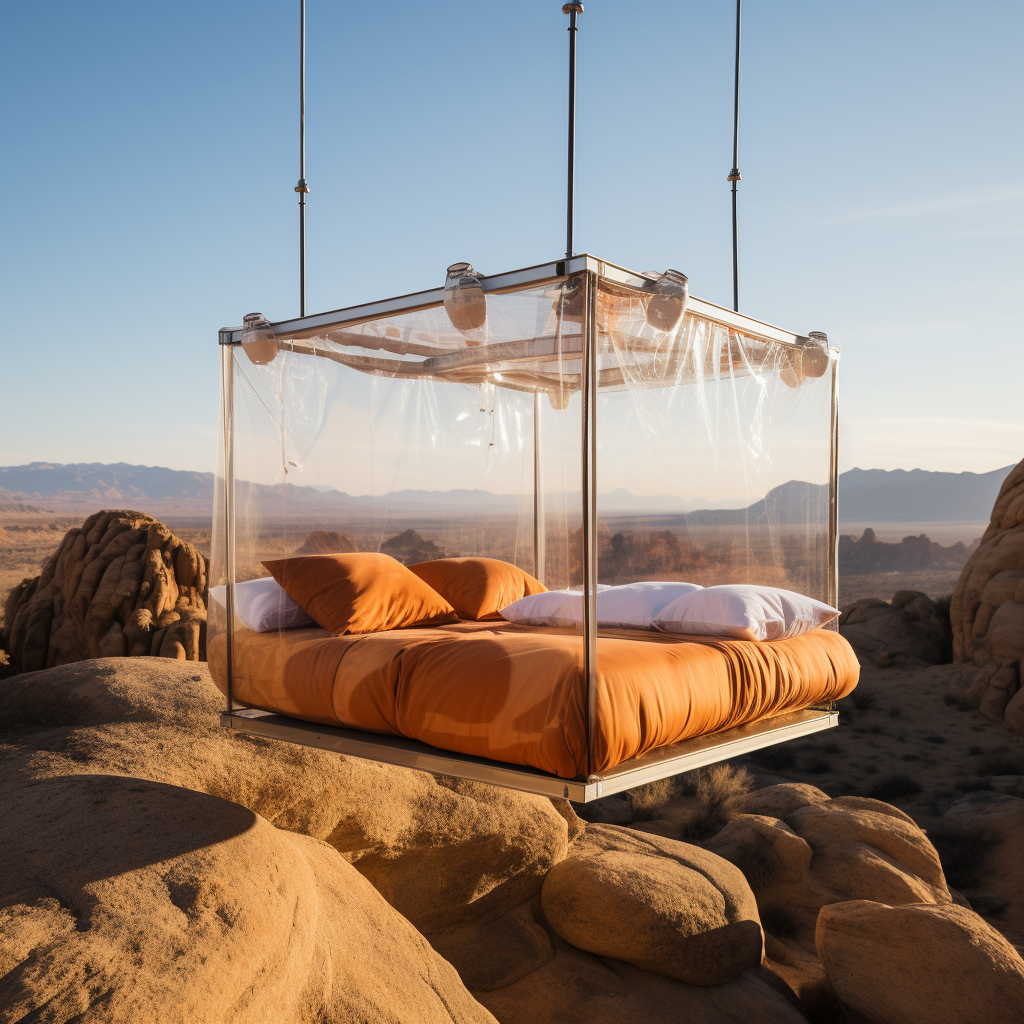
x: 645, y: 801
x: 721, y: 791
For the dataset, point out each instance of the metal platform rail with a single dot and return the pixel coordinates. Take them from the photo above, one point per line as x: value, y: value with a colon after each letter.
x: 658, y: 764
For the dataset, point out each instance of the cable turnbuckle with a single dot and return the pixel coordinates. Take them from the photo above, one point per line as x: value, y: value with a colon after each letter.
x: 302, y: 186
x: 734, y: 175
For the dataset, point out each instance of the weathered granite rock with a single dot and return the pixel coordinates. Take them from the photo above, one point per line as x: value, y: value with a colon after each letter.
x: 992, y: 824
x: 659, y: 904
x: 121, y: 584
x: 919, y: 964
x: 784, y: 798
x: 801, y: 851
x: 442, y: 854
x: 987, y: 610
x: 577, y: 986
x: 127, y: 900
x: 911, y: 629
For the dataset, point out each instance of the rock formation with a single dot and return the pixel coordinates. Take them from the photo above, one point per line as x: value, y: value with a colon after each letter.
x: 158, y: 866
x: 919, y: 964
x: 991, y: 825
x: 987, y: 610
x: 121, y: 584
x: 409, y: 548
x: 658, y: 904
x: 870, y: 555
x: 910, y: 629
x: 325, y: 542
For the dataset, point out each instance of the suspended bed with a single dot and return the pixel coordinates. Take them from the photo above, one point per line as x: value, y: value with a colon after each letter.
x: 574, y: 428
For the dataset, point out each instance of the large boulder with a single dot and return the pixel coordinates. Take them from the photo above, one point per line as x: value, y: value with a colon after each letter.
x: 659, y: 904
x: 919, y: 964
x: 120, y: 584
x: 568, y: 984
x: 909, y: 629
x: 987, y: 610
x: 128, y: 900
x: 991, y: 826
x: 801, y: 851
x: 442, y: 852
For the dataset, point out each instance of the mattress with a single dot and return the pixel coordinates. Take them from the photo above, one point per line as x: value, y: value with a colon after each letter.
x: 517, y: 693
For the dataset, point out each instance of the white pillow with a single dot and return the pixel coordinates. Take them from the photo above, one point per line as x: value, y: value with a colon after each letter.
x: 263, y: 606
x: 552, y: 608
x: 744, y: 612
x: 636, y: 605
x: 631, y: 606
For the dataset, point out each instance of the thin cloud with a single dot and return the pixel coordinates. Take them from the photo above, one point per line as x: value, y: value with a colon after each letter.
x: 929, y: 207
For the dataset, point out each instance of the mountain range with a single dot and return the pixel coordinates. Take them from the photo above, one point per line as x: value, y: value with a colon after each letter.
x: 865, y: 495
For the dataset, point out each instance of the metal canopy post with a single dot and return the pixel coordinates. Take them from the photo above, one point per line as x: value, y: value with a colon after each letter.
x: 227, y: 372
x: 539, y: 522
x: 589, y: 480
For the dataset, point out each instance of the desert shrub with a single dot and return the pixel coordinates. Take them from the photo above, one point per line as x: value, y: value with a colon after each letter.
x: 817, y: 765
x: 934, y: 738
x: 831, y: 748
x: 975, y: 751
x: 758, y: 861
x: 950, y: 700
x: 721, y: 791
x: 870, y: 769
x: 893, y: 787
x: 911, y: 757
x: 895, y: 712
x: 645, y: 801
x: 862, y: 700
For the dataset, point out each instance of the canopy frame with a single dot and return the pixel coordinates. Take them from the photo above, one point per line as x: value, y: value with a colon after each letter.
x: 657, y: 764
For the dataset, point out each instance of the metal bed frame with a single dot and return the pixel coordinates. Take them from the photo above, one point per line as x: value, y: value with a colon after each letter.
x: 397, y: 750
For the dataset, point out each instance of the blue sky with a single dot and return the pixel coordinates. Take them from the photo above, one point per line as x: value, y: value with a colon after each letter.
x: 149, y: 151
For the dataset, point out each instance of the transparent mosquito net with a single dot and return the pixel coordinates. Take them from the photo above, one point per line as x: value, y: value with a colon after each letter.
x: 461, y: 428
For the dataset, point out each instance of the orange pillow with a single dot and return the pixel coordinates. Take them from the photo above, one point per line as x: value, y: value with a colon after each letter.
x: 359, y: 593
x: 478, y: 588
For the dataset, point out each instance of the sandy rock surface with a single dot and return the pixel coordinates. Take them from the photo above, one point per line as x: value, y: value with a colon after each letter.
x: 131, y: 900
x: 576, y: 986
x: 662, y: 905
x: 987, y: 612
x: 121, y: 584
x: 441, y: 854
x: 919, y: 964
x: 145, y: 834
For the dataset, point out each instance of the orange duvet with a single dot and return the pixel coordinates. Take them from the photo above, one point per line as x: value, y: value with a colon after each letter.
x: 517, y: 693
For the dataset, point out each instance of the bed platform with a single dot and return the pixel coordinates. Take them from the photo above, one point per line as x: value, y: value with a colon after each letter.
x: 658, y: 764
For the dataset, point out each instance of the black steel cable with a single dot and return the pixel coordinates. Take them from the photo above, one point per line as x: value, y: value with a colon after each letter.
x: 302, y: 188
x: 734, y: 174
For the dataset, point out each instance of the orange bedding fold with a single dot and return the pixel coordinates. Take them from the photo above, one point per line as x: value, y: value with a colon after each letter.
x: 516, y: 693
